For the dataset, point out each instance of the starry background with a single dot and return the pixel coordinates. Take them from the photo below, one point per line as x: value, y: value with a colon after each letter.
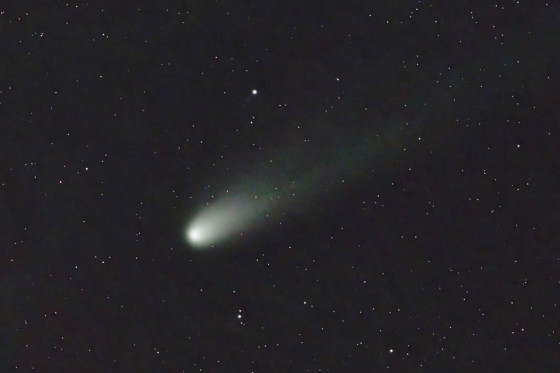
x: 432, y: 245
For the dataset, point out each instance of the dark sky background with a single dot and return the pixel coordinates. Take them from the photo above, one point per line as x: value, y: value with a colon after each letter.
x: 429, y: 241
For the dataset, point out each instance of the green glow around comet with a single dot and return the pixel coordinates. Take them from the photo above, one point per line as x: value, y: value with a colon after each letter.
x: 291, y: 181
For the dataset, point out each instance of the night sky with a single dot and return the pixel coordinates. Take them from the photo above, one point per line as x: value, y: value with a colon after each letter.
x: 399, y: 160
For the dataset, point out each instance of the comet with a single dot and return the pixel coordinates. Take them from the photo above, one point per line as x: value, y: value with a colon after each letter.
x: 291, y: 182
x: 299, y: 174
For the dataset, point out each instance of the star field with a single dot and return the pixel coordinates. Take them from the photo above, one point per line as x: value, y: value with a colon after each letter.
x: 396, y: 162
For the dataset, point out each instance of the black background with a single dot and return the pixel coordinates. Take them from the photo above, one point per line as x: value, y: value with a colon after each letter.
x: 120, y: 120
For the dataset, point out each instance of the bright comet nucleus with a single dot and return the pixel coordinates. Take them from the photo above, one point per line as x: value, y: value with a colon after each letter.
x: 194, y: 235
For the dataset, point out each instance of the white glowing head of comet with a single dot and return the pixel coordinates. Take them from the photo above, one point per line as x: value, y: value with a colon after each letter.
x: 221, y: 220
